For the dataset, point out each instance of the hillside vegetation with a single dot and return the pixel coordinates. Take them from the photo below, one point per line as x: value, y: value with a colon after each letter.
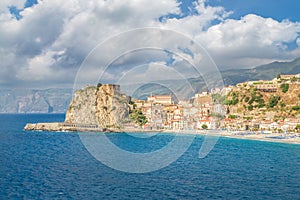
x: 248, y: 101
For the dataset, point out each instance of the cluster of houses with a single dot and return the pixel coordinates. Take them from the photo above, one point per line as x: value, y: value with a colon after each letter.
x: 198, y: 112
x: 256, y: 124
x: 162, y: 113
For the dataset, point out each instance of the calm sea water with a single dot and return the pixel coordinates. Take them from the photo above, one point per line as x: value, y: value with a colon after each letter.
x: 46, y: 165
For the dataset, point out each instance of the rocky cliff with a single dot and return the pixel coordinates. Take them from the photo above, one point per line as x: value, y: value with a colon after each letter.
x: 103, y: 105
x: 34, y: 100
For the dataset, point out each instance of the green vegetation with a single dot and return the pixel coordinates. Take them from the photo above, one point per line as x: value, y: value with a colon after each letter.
x: 296, y: 108
x: 232, y: 116
x: 273, y: 101
x: 297, y: 127
x: 294, y: 79
x: 258, y: 83
x: 204, y: 126
x: 99, y: 85
x: 282, y: 104
x: 278, y: 76
x: 218, y: 98
x: 138, y: 117
x: 257, y: 98
x: 104, y: 108
x: 247, y: 99
x: 285, y: 101
x: 248, y: 118
x: 234, y: 99
x: 284, y: 87
x: 250, y: 107
x: 133, y: 104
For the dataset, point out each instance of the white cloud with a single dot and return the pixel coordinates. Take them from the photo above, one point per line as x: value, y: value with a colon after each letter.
x: 4, y: 4
x: 192, y: 25
x: 253, y: 39
x: 52, y: 39
x: 298, y: 42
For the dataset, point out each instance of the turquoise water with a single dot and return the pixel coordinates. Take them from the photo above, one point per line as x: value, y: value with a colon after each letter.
x: 47, y: 165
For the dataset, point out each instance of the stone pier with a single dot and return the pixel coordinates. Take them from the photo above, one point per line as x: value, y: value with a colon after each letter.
x: 57, y: 126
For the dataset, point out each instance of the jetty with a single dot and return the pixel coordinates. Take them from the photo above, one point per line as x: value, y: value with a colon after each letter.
x: 62, y: 126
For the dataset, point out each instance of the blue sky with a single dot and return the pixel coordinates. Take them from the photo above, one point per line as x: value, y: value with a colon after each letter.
x: 16, y: 12
x: 49, y: 39
x: 276, y: 9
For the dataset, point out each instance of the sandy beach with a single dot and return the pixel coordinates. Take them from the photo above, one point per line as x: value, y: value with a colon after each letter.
x: 291, y: 138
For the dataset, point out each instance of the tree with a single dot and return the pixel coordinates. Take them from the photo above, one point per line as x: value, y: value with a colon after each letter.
x: 133, y: 104
x: 284, y: 87
x: 138, y: 117
x: 247, y: 99
x: 99, y: 85
x: 297, y: 127
x: 282, y: 104
x: 273, y: 101
x: 233, y: 100
x: 250, y: 107
x: 278, y: 76
x: 204, y: 126
x: 296, y: 108
x: 294, y: 79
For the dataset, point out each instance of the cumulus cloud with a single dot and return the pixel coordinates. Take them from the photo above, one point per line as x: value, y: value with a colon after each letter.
x: 49, y: 43
x: 250, y: 40
x: 196, y: 23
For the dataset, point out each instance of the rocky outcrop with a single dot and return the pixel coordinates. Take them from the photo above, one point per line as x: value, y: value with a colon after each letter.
x: 34, y: 101
x: 103, y: 105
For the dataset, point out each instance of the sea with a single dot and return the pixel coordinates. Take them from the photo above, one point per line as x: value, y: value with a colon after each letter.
x: 57, y: 165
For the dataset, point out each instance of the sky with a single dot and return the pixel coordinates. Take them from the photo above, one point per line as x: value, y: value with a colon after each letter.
x: 44, y: 43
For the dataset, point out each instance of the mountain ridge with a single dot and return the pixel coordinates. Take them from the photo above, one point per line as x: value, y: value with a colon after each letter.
x: 261, y: 72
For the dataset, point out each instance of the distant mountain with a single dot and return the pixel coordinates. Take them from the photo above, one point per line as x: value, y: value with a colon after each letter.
x: 230, y: 77
x: 263, y: 72
x: 34, y: 101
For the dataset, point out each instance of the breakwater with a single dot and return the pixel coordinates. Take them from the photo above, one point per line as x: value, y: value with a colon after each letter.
x: 62, y: 126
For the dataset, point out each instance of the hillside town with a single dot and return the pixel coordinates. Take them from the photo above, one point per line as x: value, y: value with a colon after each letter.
x: 240, y: 110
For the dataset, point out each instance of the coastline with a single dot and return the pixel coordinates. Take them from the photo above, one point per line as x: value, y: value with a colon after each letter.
x: 273, y: 137
x: 291, y: 138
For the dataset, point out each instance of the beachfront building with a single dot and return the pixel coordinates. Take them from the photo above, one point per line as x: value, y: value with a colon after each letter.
x: 291, y: 123
x: 204, y: 121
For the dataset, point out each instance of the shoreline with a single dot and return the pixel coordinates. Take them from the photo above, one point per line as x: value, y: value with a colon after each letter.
x: 274, y: 137
x: 292, y: 138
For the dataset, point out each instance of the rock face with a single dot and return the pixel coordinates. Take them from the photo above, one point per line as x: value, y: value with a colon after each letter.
x: 103, y: 105
x: 34, y: 101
